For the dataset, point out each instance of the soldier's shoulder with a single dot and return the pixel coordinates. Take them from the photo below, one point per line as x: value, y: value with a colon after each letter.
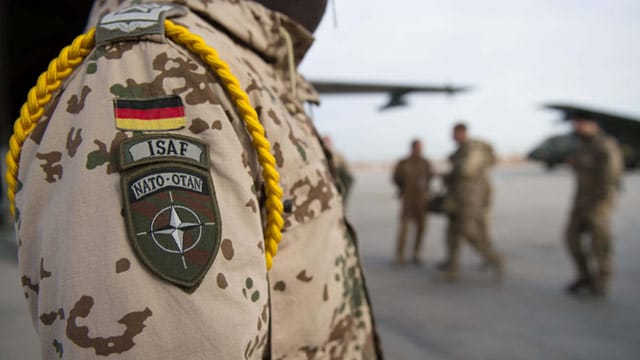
x: 136, y: 22
x: 610, y: 141
x: 485, y: 143
x: 607, y: 143
x: 478, y: 144
x: 137, y: 35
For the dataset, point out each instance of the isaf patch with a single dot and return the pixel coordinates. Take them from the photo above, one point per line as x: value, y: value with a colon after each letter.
x: 150, y: 148
x: 170, y: 206
x: 153, y: 114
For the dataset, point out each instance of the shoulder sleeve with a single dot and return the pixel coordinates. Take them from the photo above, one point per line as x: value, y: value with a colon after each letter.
x: 101, y: 247
x: 492, y: 159
x: 611, y: 162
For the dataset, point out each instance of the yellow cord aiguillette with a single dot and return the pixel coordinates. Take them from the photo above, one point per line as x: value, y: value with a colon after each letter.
x: 71, y: 56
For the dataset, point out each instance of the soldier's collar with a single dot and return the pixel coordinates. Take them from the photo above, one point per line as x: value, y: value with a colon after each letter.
x: 248, y: 21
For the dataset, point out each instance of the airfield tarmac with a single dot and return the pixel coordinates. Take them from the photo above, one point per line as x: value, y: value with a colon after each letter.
x: 420, y: 316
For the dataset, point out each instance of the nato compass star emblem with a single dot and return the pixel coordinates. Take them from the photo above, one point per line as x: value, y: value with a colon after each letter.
x: 176, y: 229
x: 173, y: 220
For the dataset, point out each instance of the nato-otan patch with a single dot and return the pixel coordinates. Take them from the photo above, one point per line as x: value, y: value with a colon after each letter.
x: 172, y: 219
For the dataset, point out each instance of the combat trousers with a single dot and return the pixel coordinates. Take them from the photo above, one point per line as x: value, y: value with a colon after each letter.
x: 474, y: 228
x: 421, y: 226
x: 593, y: 223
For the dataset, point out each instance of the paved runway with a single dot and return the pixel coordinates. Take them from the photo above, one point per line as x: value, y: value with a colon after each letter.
x: 527, y: 316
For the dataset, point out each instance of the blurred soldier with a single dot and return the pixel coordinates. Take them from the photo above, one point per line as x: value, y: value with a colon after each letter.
x: 146, y: 194
x: 341, y: 168
x: 468, y: 201
x: 412, y: 176
x: 598, y: 165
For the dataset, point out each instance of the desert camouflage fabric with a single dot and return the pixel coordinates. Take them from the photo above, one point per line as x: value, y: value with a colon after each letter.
x: 468, y: 201
x: 412, y: 177
x: 598, y: 165
x: 88, y: 291
x: 343, y: 173
x: 468, y: 182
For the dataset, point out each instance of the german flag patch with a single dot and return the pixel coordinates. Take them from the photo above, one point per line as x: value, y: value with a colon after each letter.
x: 155, y: 114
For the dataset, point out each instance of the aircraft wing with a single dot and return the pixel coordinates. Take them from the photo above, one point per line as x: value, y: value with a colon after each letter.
x: 599, y: 115
x: 619, y: 126
x: 396, y: 91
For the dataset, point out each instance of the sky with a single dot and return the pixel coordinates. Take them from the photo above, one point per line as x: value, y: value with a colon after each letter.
x: 516, y: 55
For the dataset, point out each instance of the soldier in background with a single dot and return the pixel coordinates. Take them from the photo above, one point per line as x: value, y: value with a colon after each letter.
x: 468, y: 201
x: 598, y: 165
x: 412, y: 176
x: 341, y: 168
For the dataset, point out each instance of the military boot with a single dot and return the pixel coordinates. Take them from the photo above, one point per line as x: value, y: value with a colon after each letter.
x: 449, y: 270
x: 599, y: 287
x: 580, y: 286
x: 442, y: 265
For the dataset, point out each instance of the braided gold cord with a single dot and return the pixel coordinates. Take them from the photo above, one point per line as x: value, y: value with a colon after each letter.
x: 71, y: 56
x: 37, y: 98
x: 275, y: 222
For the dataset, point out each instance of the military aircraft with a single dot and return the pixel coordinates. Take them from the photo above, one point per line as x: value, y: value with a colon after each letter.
x: 554, y: 150
x: 626, y: 130
x: 397, y: 92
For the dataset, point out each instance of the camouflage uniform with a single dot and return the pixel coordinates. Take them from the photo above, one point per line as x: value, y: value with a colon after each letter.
x: 92, y: 293
x: 598, y: 166
x: 412, y: 176
x: 468, y: 201
x: 343, y: 173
